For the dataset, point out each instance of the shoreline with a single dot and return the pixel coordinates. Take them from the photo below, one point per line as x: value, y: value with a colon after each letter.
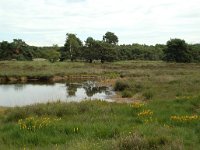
x: 56, y: 78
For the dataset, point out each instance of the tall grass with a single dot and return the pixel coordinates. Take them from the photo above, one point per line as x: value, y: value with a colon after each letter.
x: 103, y: 125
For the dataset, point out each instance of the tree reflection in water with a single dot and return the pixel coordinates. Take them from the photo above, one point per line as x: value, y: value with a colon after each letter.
x: 90, y: 88
x: 72, y: 88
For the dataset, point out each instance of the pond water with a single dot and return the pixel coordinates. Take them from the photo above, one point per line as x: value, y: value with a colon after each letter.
x: 30, y: 93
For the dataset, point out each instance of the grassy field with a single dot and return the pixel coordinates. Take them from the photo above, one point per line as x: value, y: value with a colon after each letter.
x: 102, y: 125
x: 146, y: 79
x: 163, y: 113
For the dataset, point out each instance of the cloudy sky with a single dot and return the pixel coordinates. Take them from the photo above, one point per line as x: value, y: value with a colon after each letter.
x: 46, y: 22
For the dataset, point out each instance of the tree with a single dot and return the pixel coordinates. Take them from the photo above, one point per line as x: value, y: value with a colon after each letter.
x: 110, y: 38
x: 177, y: 50
x: 89, y: 42
x: 52, y: 55
x: 195, y: 49
x: 98, y: 50
x: 18, y: 49
x: 140, y: 52
x: 5, y: 51
x: 89, y: 51
x: 105, y: 51
x: 72, y: 47
x: 21, y: 50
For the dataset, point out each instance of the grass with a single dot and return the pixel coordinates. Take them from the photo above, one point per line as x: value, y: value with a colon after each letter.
x: 103, y: 125
x: 166, y: 116
x: 163, y: 80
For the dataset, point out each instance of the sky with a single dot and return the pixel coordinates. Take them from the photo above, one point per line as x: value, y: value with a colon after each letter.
x: 46, y: 22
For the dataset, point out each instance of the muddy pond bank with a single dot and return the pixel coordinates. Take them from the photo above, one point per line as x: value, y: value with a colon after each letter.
x: 25, y: 79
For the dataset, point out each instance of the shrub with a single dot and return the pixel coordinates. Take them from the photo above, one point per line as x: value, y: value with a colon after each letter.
x: 133, y: 141
x: 127, y: 93
x: 121, y: 85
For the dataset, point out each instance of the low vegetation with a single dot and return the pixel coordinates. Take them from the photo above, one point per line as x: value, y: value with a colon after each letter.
x: 103, y: 125
x: 163, y: 110
x: 139, y: 79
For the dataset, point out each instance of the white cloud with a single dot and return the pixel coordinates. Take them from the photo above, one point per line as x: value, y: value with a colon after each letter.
x: 45, y: 22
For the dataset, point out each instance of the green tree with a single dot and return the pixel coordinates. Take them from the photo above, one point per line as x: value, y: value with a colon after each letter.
x: 98, y: 50
x: 105, y: 51
x: 195, y: 49
x: 110, y: 38
x: 53, y: 55
x: 72, y: 47
x: 140, y: 52
x: 6, y: 51
x: 22, y: 50
x: 177, y: 50
x: 89, y: 50
x: 18, y: 49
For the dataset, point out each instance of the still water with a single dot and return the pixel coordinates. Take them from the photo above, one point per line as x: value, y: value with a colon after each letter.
x: 25, y: 94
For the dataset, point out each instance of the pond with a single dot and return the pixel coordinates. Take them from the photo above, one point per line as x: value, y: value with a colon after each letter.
x: 30, y: 93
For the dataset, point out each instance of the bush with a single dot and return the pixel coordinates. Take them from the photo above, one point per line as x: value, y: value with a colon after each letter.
x: 133, y: 141
x: 126, y: 94
x: 121, y: 85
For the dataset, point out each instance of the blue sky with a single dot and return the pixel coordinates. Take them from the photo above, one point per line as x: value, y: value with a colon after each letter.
x: 46, y: 22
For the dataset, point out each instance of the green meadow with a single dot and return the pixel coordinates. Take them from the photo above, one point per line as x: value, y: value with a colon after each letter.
x: 157, y: 107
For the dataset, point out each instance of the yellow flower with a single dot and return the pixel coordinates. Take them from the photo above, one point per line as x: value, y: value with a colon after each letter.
x: 137, y: 105
x: 147, y: 112
x: 34, y: 123
x: 184, y: 118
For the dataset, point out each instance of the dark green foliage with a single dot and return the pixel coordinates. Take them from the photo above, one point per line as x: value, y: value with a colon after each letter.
x: 177, y: 50
x: 106, y: 50
x: 89, y: 52
x: 140, y: 52
x: 98, y: 50
x: 18, y: 50
x: 5, y: 50
x: 110, y: 38
x: 127, y: 94
x: 121, y: 85
x: 195, y: 52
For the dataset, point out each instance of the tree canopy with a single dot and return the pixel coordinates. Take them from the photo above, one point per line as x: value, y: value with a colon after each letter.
x: 17, y: 49
x: 72, y: 47
x: 105, y: 50
x: 110, y: 38
x: 177, y: 50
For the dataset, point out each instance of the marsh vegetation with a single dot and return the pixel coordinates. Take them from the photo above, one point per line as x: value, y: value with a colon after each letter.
x: 162, y: 112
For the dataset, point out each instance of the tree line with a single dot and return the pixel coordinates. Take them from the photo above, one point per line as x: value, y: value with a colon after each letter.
x: 105, y: 50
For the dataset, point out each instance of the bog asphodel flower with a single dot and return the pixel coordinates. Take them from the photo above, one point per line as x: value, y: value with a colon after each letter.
x: 147, y: 112
x: 137, y: 105
x: 184, y: 118
x: 35, y: 123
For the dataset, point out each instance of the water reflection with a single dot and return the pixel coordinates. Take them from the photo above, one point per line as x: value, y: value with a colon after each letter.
x: 19, y: 87
x: 89, y: 87
x: 72, y: 88
x: 25, y: 94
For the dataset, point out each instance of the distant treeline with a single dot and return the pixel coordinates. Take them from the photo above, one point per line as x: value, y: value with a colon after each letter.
x: 103, y: 50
